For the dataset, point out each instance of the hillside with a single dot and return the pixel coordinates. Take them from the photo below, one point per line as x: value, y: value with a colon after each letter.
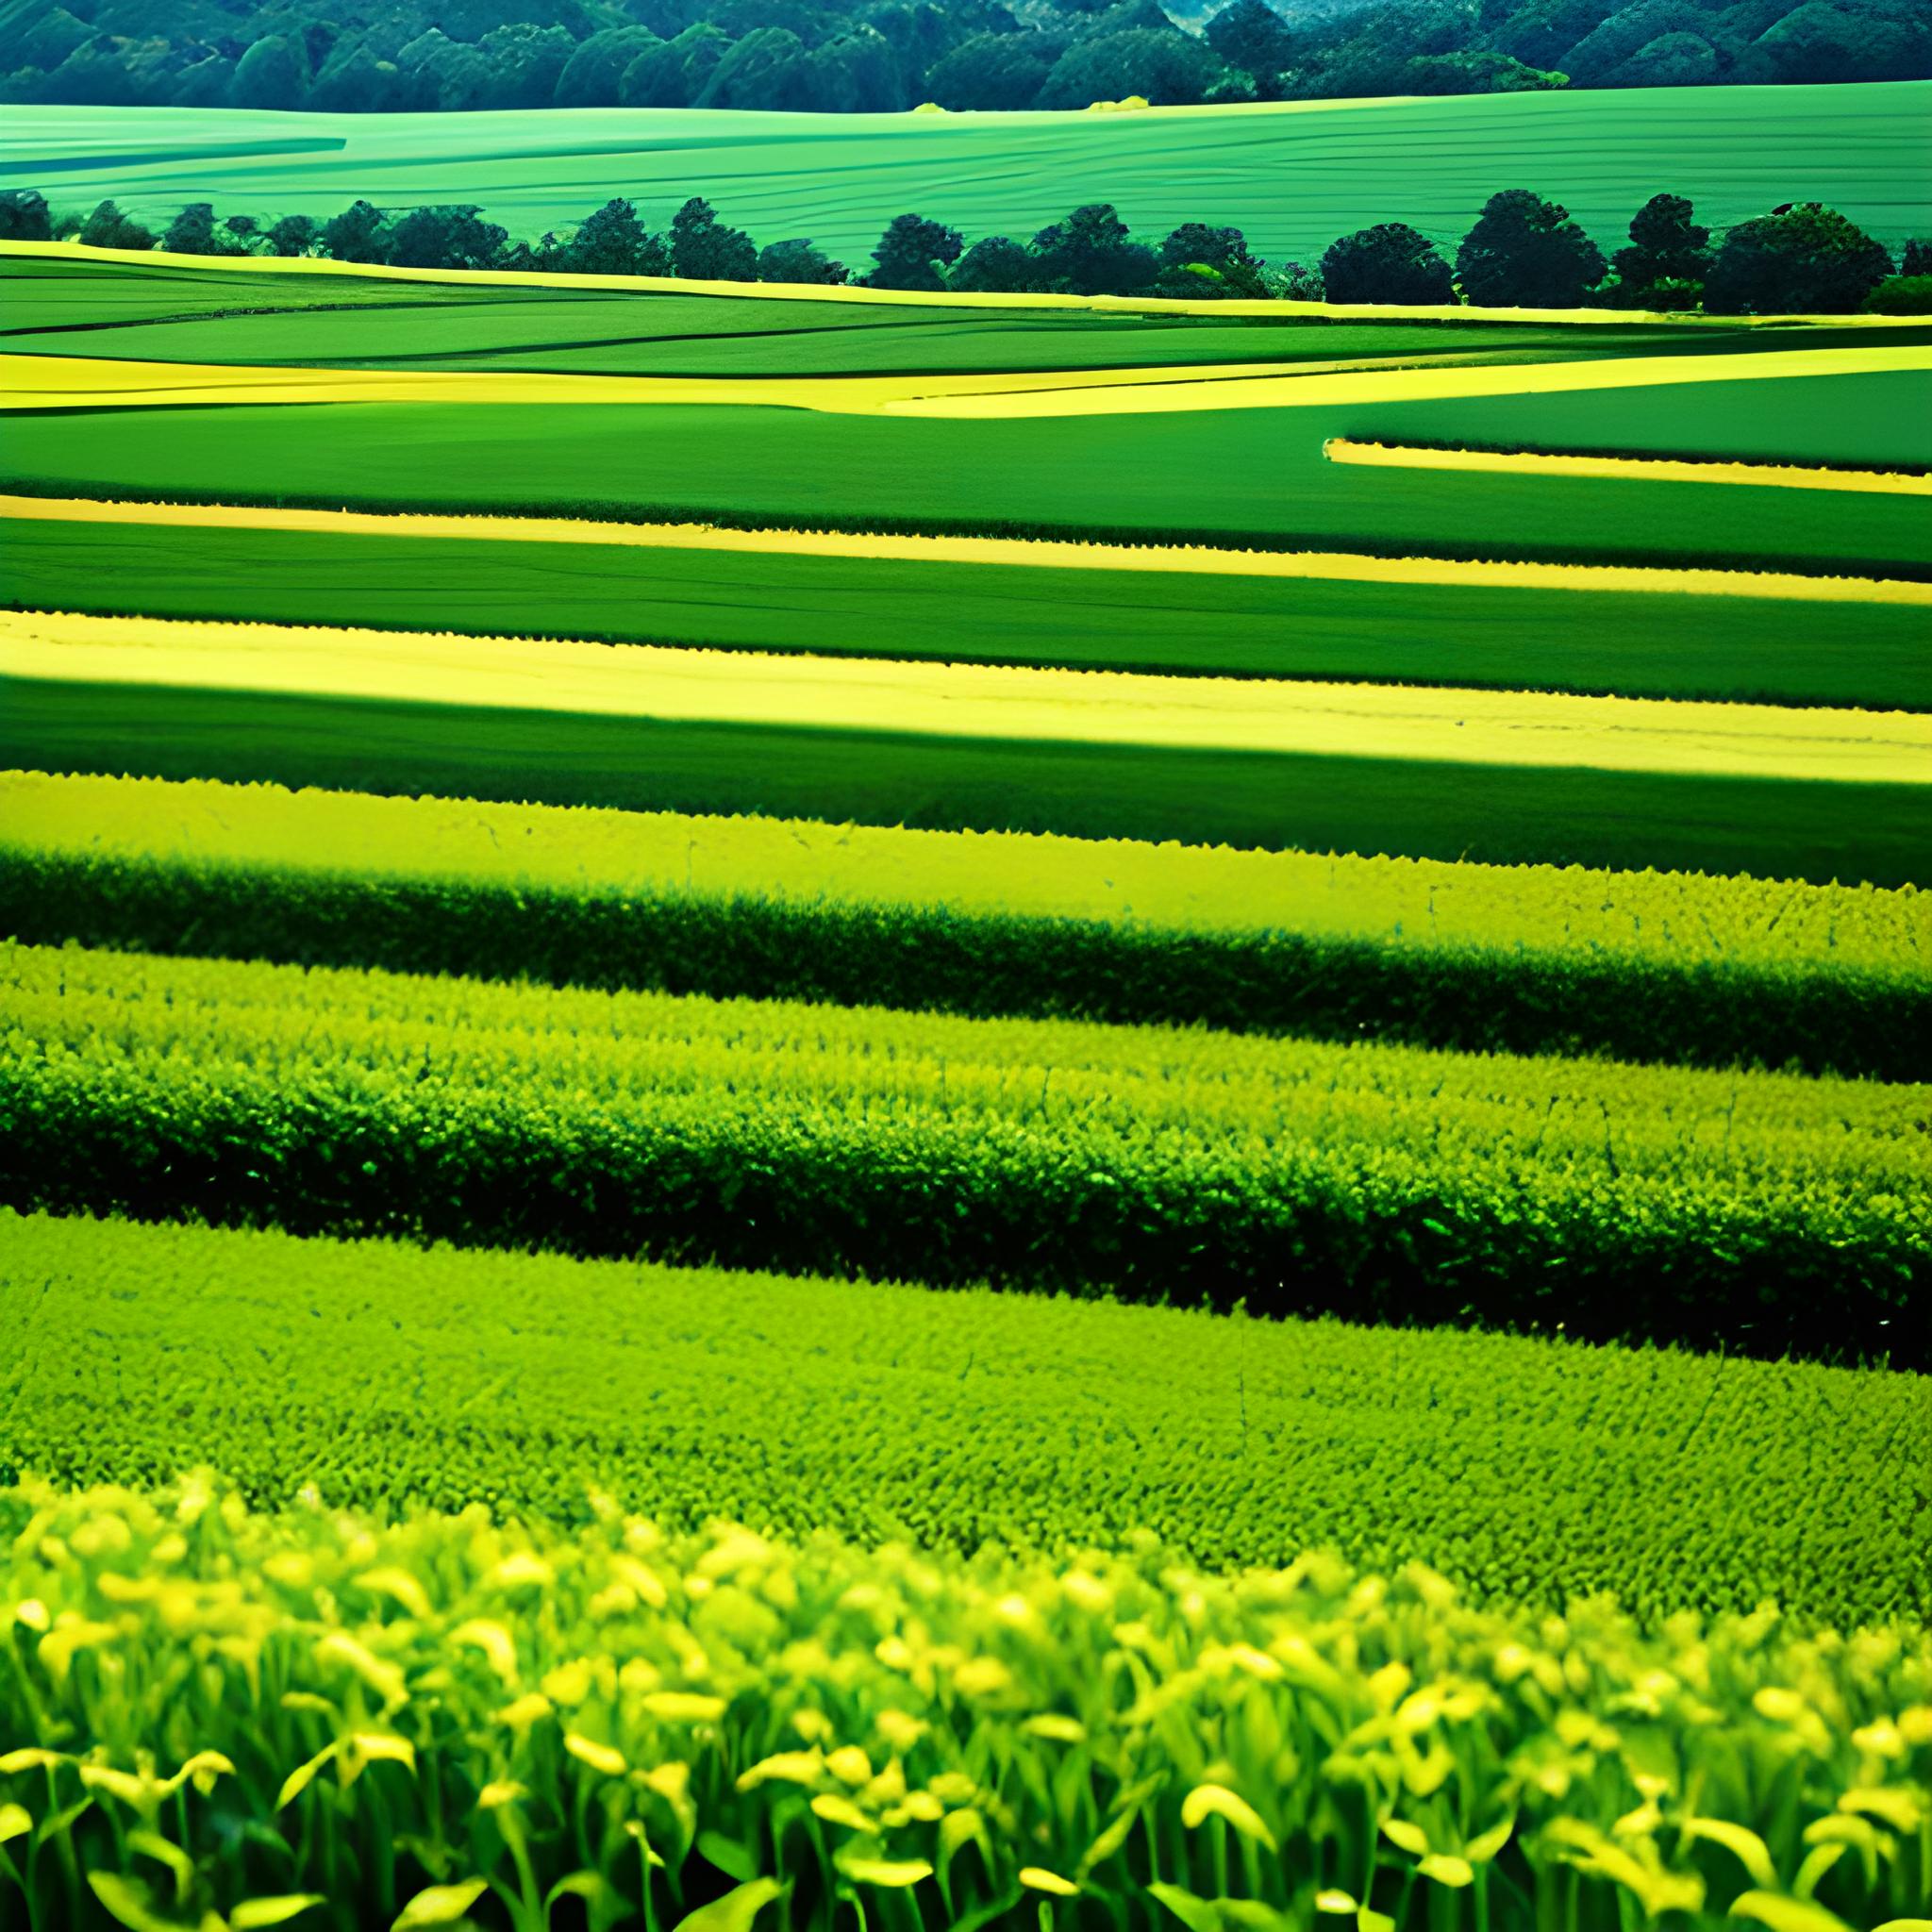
x: 885, y: 55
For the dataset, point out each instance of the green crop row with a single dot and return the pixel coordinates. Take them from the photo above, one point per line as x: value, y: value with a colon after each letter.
x: 325, y: 1719
x: 1765, y: 1211
x: 1527, y: 1470
x: 1641, y: 965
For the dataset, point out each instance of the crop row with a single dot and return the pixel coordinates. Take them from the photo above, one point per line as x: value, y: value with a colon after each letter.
x: 362, y: 1717
x: 1527, y: 1470
x: 1643, y: 965
x: 1767, y: 1211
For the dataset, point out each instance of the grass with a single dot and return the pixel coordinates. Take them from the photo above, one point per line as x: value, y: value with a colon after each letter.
x: 1507, y: 636
x: 1761, y: 1212
x: 1525, y: 462
x: 1737, y: 151
x: 1640, y: 966
x: 1247, y: 478
x: 1041, y: 1425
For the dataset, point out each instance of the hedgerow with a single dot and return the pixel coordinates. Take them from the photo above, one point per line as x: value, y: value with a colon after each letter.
x: 341, y: 1719
x: 1769, y: 1212
x: 1666, y: 966
x: 1527, y: 1470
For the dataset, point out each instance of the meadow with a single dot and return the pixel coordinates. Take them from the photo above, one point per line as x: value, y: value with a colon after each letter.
x: 840, y: 179
x: 1029, y: 1114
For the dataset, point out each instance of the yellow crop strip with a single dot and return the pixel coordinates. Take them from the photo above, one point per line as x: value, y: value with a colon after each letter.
x: 76, y: 382
x: 1390, y: 456
x: 1004, y: 552
x: 904, y: 298
x: 995, y: 702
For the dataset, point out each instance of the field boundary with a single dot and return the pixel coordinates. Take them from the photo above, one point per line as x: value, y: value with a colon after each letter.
x: 1031, y: 552
x: 1528, y: 462
x: 1450, y: 313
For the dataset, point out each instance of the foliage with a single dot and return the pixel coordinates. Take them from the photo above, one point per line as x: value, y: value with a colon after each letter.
x: 799, y: 262
x: 1900, y: 296
x: 960, y: 1418
x: 1389, y: 262
x: 1806, y: 260
x: 1667, y: 260
x: 108, y: 227
x: 368, y: 1721
x: 1770, y: 1212
x: 1526, y: 253
x: 1091, y: 253
x: 703, y: 249
x: 914, y: 253
x: 24, y: 216
x: 1645, y: 966
x: 614, y: 241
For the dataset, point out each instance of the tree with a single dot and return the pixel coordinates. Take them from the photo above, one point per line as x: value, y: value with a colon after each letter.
x: 1526, y: 253
x: 767, y: 69
x: 193, y: 232
x: 913, y: 253
x: 1197, y: 260
x: 1900, y: 296
x: 273, y: 73
x: 294, y: 235
x: 1917, y: 259
x: 446, y: 238
x: 704, y: 250
x: 614, y: 241
x: 24, y: 216
x: 798, y: 261
x: 108, y: 227
x: 1291, y: 282
x: 996, y: 265
x: 1668, y: 257
x: 995, y: 70
x: 1165, y: 66
x: 359, y: 233
x: 673, y: 72
x: 1806, y: 260
x: 525, y: 63
x: 1389, y: 262
x: 1252, y: 36
x: 595, y: 66
x: 1091, y: 254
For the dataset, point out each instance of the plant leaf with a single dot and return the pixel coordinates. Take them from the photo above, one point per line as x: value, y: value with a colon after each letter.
x: 254, y: 1914
x: 1196, y: 1914
x: 1785, y: 1914
x: 736, y: 1910
x: 440, y: 1905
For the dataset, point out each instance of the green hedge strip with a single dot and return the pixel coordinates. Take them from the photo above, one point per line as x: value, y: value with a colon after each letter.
x: 1761, y: 1212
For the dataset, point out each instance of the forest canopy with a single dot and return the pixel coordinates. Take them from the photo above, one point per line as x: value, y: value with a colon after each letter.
x: 886, y: 55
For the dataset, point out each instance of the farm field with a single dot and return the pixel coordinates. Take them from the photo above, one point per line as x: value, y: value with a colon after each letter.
x: 855, y: 1113
x: 1736, y: 150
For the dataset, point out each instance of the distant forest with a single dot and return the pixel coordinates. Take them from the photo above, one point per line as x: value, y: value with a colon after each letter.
x: 832, y: 55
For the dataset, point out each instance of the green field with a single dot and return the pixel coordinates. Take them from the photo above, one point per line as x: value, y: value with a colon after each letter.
x: 1007, y: 1299
x: 1045, y: 1424
x: 1254, y: 477
x: 1737, y: 151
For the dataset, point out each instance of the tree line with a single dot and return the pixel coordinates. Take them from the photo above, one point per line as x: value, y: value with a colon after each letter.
x: 886, y: 55
x: 1523, y: 252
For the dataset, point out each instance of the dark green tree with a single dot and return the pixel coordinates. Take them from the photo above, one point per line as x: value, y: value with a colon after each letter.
x: 1163, y: 66
x: 1900, y: 296
x: 1389, y: 262
x: 446, y: 238
x: 1091, y: 253
x: 294, y: 235
x: 914, y: 253
x: 1252, y: 36
x: 1526, y: 253
x: 704, y: 250
x: 1668, y: 257
x: 1804, y: 260
x: 1200, y: 260
x: 799, y: 261
x: 24, y: 216
x: 525, y: 63
x: 614, y: 241
x: 998, y: 70
x: 359, y: 233
x: 108, y: 227
x: 193, y: 232
x: 767, y: 69
x: 673, y: 72
x: 273, y: 73
x: 996, y: 265
x: 1917, y: 259
x: 590, y: 76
